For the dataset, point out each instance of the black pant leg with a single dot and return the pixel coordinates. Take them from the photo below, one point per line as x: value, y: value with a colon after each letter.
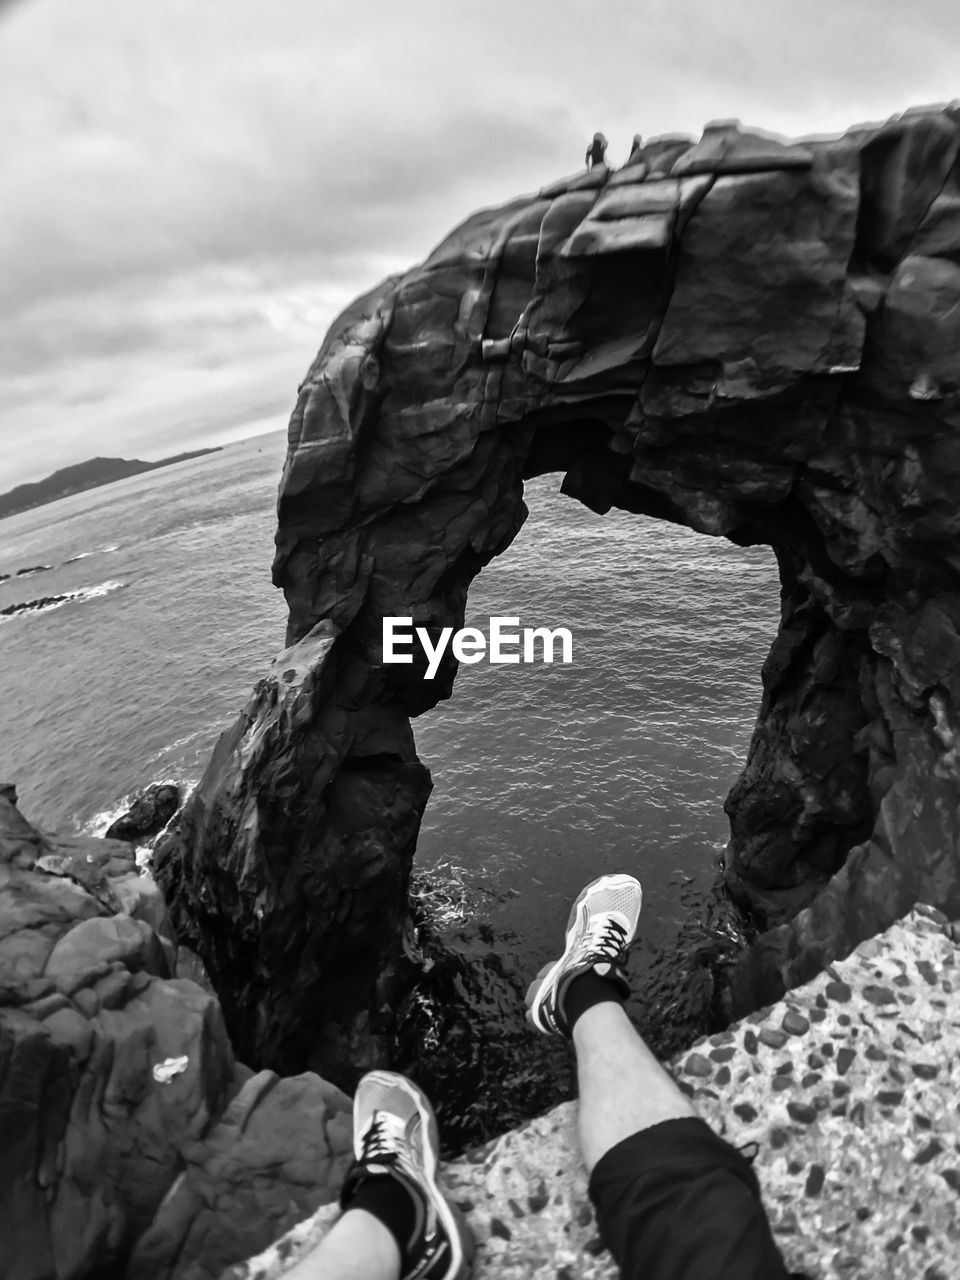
x: 676, y: 1202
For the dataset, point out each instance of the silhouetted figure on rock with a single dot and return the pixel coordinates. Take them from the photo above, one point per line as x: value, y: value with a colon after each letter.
x: 596, y: 150
x: 636, y: 149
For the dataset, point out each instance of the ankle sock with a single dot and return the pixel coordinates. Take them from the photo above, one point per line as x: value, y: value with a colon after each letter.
x: 389, y: 1201
x: 586, y: 990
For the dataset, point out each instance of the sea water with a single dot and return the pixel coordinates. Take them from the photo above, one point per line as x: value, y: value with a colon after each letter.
x: 544, y: 775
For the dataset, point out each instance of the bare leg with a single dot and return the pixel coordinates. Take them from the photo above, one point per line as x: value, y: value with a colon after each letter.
x: 623, y: 1088
x: 357, y: 1247
x: 679, y: 1173
x: 397, y: 1216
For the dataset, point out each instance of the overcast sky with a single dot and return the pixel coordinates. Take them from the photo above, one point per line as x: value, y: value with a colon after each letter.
x: 192, y: 189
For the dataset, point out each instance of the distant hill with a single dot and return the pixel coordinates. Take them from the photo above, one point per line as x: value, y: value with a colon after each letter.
x: 83, y: 475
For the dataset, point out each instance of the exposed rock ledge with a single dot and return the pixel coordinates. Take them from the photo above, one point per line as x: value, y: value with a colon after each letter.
x: 849, y: 1088
x: 760, y: 341
x: 135, y: 1146
x: 131, y: 1142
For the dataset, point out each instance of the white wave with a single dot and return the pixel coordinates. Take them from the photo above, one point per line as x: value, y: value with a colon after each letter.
x: 97, y: 551
x: 101, y: 589
x: 187, y: 789
x: 101, y: 821
x: 185, y: 741
x: 447, y: 894
x: 23, y: 574
x: 67, y: 597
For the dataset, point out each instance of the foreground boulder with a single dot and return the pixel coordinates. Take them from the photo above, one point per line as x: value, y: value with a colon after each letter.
x: 757, y: 340
x: 133, y: 1143
x: 149, y: 813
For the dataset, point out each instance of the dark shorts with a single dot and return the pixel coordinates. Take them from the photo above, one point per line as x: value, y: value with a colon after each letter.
x: 676, y: 1202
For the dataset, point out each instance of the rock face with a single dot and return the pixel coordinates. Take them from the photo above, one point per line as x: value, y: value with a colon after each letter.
x: 27, y: 606
x: 760, y: 341
x: 149, y: 813
x: 133, y: 1144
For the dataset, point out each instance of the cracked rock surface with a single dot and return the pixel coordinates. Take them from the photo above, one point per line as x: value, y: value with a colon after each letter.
x: 133, y: 1144
x: 755, y: 339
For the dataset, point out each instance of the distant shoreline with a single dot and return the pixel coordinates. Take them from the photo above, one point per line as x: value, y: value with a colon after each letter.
x: 82, y: 476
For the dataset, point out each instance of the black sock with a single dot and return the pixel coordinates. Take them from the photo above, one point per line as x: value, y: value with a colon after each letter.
x: 390, y: 1201
x: 586, y: 990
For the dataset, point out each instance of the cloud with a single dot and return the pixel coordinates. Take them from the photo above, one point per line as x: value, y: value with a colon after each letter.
x: 174, y: 177
x: 186, y: 363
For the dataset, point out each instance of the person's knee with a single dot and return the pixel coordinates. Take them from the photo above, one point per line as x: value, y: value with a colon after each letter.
x: 677, y: 1201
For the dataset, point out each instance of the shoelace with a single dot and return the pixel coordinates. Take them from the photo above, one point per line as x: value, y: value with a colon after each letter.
x: 376, y: 1144
x: 609, y: 943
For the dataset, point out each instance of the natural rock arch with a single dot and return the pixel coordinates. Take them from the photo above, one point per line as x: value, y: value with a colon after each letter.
x: 758, y: 340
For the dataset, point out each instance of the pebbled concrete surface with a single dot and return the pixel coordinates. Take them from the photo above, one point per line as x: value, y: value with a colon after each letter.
x: 850, y: 1088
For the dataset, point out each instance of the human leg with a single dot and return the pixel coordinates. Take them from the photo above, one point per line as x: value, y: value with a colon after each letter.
x: 357, y: 1247
x: 672, y: 1198
x: 397, y: 1222
x: 580, y: 995
x: 622, y: 1087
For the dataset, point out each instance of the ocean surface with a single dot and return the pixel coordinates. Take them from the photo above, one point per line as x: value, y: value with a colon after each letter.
x: 544, y: 776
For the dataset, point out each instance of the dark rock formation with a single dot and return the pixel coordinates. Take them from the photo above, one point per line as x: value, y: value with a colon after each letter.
x: 132, y: 1143
x: 33, y: 606
x: 149, y: 813
x: 760, y: 341
x: 327, y: 902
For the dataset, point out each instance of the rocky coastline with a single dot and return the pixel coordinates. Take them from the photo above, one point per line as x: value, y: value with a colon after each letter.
x: 136, y: 1145
x: 755, y: 339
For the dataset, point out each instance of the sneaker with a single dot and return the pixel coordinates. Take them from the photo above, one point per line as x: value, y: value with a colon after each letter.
x: 602, y: 924
x: 395, y: 1132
